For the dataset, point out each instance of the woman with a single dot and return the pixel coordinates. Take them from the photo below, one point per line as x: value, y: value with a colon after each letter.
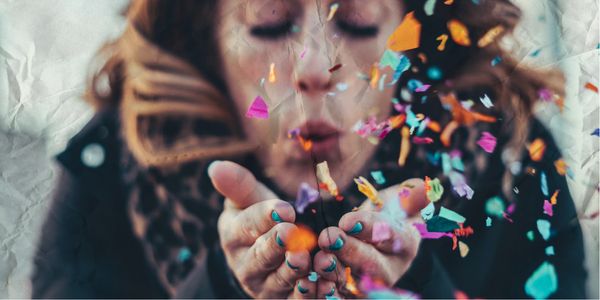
x: 266, y: 91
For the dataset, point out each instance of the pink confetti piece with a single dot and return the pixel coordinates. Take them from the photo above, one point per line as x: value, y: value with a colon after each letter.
x: 545, y: 95
x: 258, y: 109
x: 381, y: 232
x: 303, y: 52
x: 397, y: 246
x: 487, y: 142
x: 548, y: 208
x: 423, y: 88
x: 463, y: 189
x: 422, y: 140
x: 422, y: 228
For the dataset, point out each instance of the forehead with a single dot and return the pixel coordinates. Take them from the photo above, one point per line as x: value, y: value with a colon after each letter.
x: 266, y: 9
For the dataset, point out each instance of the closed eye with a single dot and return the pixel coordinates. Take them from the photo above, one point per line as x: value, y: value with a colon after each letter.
x: 272, y: 32
x: 357, y: 31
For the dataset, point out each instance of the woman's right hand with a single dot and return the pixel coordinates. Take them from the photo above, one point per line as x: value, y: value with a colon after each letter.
x: 253, y: 230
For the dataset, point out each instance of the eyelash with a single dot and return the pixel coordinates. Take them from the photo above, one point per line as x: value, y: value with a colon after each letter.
x: 273, y: 32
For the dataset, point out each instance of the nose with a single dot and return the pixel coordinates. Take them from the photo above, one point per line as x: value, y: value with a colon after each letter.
x: 312, y: 72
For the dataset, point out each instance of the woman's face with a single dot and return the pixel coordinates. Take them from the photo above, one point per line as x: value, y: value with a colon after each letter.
x: 305, y: 93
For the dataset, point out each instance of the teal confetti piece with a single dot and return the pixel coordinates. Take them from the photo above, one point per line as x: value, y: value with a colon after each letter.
x: 495, y: 207
x: 530, y: 235
x: 543, y: 282
x: 378, y: 177
x: 429, y: 7
x: 457, y: 163
x: 544, y: 228
x: 184, y: 254
x: 403, y: 65
x: 544, y: 183
x: 488, y: 222
x: 536, y: 53
x: 389, y: 59
x: 550, y: 250
x: 496, y: 61
x: 446, y: 164
x: 451, y: 215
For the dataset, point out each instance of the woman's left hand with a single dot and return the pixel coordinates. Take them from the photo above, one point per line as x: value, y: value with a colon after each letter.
x: 352, y: 244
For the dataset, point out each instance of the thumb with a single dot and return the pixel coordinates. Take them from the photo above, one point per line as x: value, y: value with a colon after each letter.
x: 416, y: 198
x: 237, y: 184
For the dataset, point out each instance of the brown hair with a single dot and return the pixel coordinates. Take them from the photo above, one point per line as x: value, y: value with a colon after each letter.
x: 185, y: 29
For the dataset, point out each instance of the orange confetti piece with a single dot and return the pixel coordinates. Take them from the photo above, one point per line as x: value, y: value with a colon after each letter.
x: 590, y: 86
x: 537, y: 149
x: 422, y: 57
x: 561, y: 166
x: 554, y: 196
x: 301, y: 238
x: 560, y: 102
x: 443, y: 39
x: 449, y: 2
x: 447, y: 133
x: 427, y: 186
x: 351, y: 283
x: 434, y: 126
x: 272, y: 77
x: 374, y: 76
x: 305, y: 143
x: 462, y: 115
x: 407, y: 35
x: 490, y: 36
x: 404, y: 146
x: 459, y: 33
x: 396, y: 121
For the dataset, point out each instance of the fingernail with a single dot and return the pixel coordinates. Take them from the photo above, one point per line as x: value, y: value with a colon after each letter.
x: 331, y: 266
x: 330, y: 292
x: 301, y: 289
x: 291, y: 266
x: 211, y: 168
x: 279, y: 241
x: 339, y: 243
x: 275, y: 216
x: 313, y: 276
x: 358, y: 227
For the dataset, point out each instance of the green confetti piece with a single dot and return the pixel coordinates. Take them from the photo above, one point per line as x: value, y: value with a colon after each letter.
x: 530, y: 235
x: 488, y: 222
x: 389, y: 58
x: 543, y: 282
x: 495, y: 207
x: 436, y: 190
x: 451, y: 215
x: 544, y: 228
x: 550, y: 250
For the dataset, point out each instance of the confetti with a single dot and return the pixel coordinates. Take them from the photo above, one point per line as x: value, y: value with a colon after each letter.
x: 272, y: 77
x: 530, y: 235
x: 544, y: 183
x: 596, y: 132
x: 590, y: 86
x: 429, y: 7
x: 463, y: 249
x: 554, y: 196
x: 389, y: 59
x: 496, y: 61
x: 428, y: 211
x: 486, y: 101
x: 537, y: 149
x: 374, y: 76
x: 561, y: 166
x: 495, y: 207
x: 341, y: 86
x: 332, y: 10
x: 490, y: 36
x: 404, y: 146
x: 487, y: 142
x: 459, y: 33
x: 402, y: 66
x: 381, y: 232
x: 543, y: 282
x: 443, y: 39
x: 543, y: 227
x: 407, y: 35
x: 545, y: 95
x: 451, y: 215
x: 306, y: 195
x: 488, y: 222
x: 258, y: 109
x: 365, y: 187
x: 378, y: 177
x: 464, y: 190
x: 350, y: 282
x: 439, y: 224
x: 422, y: 228
x: 422, y: 140
x: 434, y: 73
x: 550, y: 250
x: 548, y: 208
x: 434, y: 189
x: 325, y: 178
x: 335, y: 68
x: 301, y: 238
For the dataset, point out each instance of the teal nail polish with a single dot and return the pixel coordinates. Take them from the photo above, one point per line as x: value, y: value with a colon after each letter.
x: 279, y: 241
x: 358, y: 227
x: 313, y: 276
x: 331, y: 266
x: 301, y: 289
x: 339, y: 243
x: 291, y: 266
x: 330, y: 292
x: 275, y: 216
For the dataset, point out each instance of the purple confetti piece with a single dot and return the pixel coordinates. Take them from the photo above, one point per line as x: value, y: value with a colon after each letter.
x: 306, y: 195
x: 258, y: 109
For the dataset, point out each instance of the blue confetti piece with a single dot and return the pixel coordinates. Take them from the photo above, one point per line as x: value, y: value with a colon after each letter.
x: 496, y: 61
x: 434, y: 73
x: 536, y: 53
x: 543, y: 282
x: 544, y: 184
x: 433, y: 158
x: 378, y: 177
x: 403, y: 65
x: 414, y: 84
x: 596, y: 132
x: 184, y: 254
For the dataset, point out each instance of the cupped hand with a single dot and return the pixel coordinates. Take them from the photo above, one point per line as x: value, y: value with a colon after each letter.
x: 253, y: 228
x: 384, y: 256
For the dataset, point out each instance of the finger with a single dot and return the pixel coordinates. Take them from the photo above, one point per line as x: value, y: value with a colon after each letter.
x: 304, y: 289
x: 281, y: 282
x: 327, y: 289
x: 267, y: 253
x: 254, y: 221
x: 416, y: 196
x: 352, y: 252
x: 237, y: 184
x: 329, y: 268
x: 371, y: 227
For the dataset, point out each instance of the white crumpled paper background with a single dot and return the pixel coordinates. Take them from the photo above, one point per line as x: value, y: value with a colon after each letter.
x: 45, y: 52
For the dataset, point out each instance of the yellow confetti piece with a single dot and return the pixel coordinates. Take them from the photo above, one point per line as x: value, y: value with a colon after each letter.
x: 272, y: 77
x: 561, y: 166
x: 374, y: 76
x: 324, y: 177
x: 463, y: 249
x: 365, y: 187
x: 554, y: 197
x: 407, y: 35
x: 449, y: 2
x: 443, y: 39
x: 459, y: 33
x: 351, y: 283
x: 490, y: 36
x: 404, y: 146
x: 332, y: 10
x: 537, y: 149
